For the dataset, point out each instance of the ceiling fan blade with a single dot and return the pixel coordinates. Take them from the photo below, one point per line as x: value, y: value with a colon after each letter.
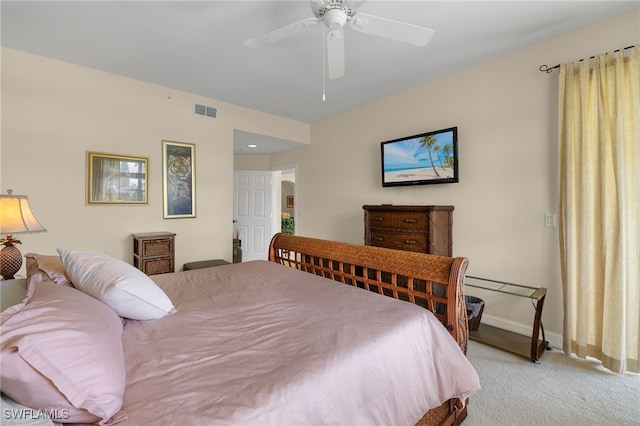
x: 388, y: 28
x: 335, y: 53
x: 281, y: 33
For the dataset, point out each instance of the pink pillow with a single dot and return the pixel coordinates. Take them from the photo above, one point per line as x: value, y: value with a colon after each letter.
x: 61, y: 350
x: 49, y: 266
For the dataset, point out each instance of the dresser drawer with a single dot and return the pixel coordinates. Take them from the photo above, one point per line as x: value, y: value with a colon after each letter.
x: 156, y: 265
x: 159, y: 247
x: 398, y: 220
x: 409, y: 242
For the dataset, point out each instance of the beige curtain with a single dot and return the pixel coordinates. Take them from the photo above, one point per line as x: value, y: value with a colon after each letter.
x: 599, y: 142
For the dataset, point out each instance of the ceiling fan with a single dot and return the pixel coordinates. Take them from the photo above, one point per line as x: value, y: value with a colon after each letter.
x: 334, y: 14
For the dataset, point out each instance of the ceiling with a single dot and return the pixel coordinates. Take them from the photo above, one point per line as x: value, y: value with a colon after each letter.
x: 196, y: 46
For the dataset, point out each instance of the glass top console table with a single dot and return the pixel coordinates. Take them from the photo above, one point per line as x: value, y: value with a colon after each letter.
x: 532, y: 347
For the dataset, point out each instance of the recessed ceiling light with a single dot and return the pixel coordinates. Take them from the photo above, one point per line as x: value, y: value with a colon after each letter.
x: 252, y: 146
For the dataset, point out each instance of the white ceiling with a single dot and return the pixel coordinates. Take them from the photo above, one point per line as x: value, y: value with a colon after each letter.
x: 196, y: 46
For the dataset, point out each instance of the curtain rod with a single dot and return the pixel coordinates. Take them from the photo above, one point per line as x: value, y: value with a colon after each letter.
x: 545, y: 68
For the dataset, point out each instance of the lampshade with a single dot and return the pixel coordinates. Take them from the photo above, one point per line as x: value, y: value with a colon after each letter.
x: 15, y: 218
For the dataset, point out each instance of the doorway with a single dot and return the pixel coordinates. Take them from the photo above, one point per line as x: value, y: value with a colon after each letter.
x: 287, y: 200
x: 263, y: 202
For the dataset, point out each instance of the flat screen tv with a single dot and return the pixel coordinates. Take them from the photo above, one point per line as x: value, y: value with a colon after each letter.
x: 422, y: 159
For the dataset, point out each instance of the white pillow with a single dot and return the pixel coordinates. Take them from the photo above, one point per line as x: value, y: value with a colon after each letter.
x: 125, y: 289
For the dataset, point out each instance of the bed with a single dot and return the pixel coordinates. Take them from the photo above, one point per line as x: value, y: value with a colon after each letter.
x: 281, y: 342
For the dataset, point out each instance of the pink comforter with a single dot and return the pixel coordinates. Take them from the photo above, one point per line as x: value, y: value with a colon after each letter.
x: 258, y: 343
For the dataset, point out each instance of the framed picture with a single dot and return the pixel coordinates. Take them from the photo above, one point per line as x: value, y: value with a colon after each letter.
x: 427, y: 158
x: 290, y: 201
x: 178, y: 179
x: 116, y: 179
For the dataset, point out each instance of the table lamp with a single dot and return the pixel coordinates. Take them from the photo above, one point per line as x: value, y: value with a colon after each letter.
x: 15, y: 218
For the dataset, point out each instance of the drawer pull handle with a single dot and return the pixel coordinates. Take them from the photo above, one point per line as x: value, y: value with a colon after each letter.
x: 410, y: 221
x: 379, y: 239
x: 378, y: 219
x: 412, y: 242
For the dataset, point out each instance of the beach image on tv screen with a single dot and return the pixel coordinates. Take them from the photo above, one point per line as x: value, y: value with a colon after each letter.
x: 424, y: 157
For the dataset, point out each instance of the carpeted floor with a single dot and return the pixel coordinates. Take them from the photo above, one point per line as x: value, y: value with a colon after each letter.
x: 557, y: 391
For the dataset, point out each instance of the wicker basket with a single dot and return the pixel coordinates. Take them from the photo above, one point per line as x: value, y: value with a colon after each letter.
x: 475, y: 306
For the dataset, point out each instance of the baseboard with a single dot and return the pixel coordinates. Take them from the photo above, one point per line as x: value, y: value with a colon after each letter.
x: 554, y: 339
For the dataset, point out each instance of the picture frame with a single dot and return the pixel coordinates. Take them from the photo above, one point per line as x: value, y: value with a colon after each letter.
x: 116, y: 179
x: 290, y: 201
x: 426, y: 158
x: 178, y: 179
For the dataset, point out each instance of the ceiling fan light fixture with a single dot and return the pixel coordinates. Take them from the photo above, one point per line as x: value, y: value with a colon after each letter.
x: 335, y: 18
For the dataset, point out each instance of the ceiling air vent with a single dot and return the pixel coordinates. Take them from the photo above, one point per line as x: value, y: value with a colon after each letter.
x: 205, y: 110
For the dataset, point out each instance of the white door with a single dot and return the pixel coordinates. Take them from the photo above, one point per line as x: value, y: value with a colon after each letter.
x: 252, y: 211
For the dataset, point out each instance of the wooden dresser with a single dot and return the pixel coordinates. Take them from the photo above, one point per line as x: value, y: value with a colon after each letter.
x: 154, y: 252
x: 424, y: 229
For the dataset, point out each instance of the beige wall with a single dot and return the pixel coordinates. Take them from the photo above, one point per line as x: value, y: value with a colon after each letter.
x: 251, y: 162
x: 505, y: 111
x: 54, y: 112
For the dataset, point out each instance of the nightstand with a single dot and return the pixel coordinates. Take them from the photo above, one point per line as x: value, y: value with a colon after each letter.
x: 154, y: 252
x: 12, y: 292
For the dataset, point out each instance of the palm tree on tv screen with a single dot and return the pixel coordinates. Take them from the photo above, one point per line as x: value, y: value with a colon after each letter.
x: 429, y: 141
x: 448, y: 158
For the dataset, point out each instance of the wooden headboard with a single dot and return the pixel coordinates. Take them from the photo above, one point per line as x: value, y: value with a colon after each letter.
x: 433, y: 282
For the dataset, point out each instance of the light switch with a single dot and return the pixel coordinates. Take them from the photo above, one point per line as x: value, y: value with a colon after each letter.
x: 550, y: 219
